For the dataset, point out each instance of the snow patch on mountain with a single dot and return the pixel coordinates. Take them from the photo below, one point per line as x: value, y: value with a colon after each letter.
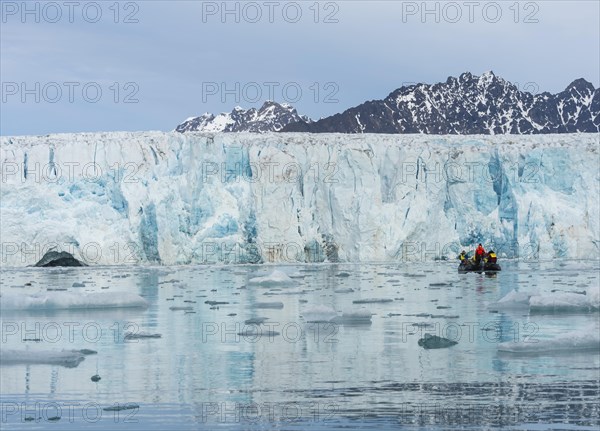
x: 270, y: 117
x: 469, y: 105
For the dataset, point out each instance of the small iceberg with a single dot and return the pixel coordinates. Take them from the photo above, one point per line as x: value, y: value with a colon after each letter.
x: 70, y: 301
x: 586, y: 339
x: 435, y: 342
x: 319, y: 313
x: 325, y: 314
x: 555, y: 302
x: 513, y: 300
x: 277, y: 277
x: 354, y: 317
x: 55, y: 258
x: 566, y: 302
x: 65, y: 358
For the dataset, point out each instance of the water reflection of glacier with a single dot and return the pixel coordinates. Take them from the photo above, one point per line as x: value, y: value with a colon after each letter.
x: 201, y: 372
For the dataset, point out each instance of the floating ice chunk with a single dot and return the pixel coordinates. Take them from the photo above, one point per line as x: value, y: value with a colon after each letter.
x: 285, y: 293
x: 256, y: 332
x: 181, y: 308
x: 563, y: 303
x: 581, y: 340
x: 268, y: 305
x: 319, y: 313
x: 555, y: 302
x: 372, y: 301
x: 140, y: 335
x: 119, y: 407
x: 354, y: 317
x: 435, y: 342
x: 256, y: 320
x: 512, y: 300
x: 344, y: 290
x: 276, y: 277
x: 70, y: 300
x: 66, y: 358
x: 593, y: 293
x: 215, y: 302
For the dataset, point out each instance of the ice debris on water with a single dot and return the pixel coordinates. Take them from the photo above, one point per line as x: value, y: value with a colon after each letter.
x: 71, y: 301
x: 276, y: 305
x: 435, y: 342
x: 372, y: 301
x: 277, y: 277
x: 140, y: 335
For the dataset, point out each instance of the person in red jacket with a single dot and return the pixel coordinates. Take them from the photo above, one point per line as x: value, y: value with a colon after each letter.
x: 479, y: 254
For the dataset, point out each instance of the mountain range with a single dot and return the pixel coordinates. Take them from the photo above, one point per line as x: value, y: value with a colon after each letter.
x: 271, y: 117
x: 463, y: 105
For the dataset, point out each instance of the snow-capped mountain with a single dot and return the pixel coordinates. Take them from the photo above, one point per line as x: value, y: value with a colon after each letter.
x: 466, y: 105
x: 271, y: 117
x: 180, y: 198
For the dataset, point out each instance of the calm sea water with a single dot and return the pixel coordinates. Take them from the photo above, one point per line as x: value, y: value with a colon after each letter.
x: 208, y: 370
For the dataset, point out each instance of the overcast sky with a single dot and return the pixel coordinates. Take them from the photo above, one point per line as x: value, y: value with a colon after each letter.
x: 164, y: 61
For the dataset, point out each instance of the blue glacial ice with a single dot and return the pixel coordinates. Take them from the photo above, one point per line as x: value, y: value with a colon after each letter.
x: 170, y: 198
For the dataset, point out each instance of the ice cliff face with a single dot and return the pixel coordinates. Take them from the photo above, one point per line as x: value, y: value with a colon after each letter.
x: 171, y: 198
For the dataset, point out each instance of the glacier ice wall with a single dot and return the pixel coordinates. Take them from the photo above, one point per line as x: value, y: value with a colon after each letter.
x: 170, y: 198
